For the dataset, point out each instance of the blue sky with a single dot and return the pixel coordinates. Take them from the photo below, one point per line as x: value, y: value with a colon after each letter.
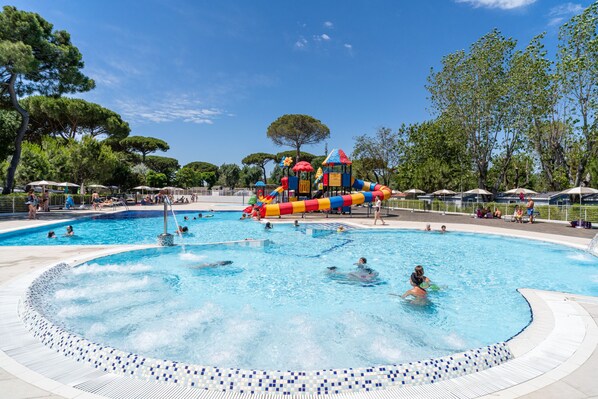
x: 210, y: 76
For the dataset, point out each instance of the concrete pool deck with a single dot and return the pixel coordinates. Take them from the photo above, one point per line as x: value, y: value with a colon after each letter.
x: 556, y: 356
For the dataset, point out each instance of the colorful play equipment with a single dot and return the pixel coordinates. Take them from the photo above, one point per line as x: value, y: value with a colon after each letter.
x: 334, y: 186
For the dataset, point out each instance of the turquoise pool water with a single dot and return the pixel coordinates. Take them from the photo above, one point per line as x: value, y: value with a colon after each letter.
x: 277, y: 307
x: 138, y: 227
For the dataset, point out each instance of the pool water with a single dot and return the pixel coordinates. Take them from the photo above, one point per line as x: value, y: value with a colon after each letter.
x: 139, y: 227
x: 278, y: 307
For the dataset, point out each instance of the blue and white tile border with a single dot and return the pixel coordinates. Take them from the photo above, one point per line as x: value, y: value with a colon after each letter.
x: 330, y: 381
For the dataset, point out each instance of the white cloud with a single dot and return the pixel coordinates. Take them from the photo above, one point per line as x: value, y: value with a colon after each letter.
x: 348, y: 46
x: 555, y: 21
x: 324, y: 36
x: 301, y: 43
x: 104, y: 78
x: 176, y: 108
x: 328, y: 25
x: 565, y: 10
x: 502, y: 4
x: 558, y: 14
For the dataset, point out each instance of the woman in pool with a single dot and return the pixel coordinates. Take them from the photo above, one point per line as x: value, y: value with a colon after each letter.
x: 51, y: 234
x: 69, y: 231
x: 419, y: 283
x: 268, y: 226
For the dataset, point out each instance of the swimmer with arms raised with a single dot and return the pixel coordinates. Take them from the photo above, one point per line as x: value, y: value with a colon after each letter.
x: 419, y: 283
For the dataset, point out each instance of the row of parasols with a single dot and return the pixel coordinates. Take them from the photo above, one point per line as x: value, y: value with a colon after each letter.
x: 581, y: 190
x: 44, y: 183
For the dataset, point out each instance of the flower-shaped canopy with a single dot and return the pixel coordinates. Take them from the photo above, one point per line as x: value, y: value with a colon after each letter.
x: 303, y: 166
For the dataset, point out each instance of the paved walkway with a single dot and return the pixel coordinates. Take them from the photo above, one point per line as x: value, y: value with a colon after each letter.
x: 580, y: 382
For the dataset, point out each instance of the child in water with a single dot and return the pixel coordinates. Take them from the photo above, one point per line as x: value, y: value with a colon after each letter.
x: 419, y: 283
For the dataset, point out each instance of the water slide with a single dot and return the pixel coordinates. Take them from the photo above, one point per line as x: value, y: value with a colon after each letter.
x: 267, y: 199
x: 368, y: 193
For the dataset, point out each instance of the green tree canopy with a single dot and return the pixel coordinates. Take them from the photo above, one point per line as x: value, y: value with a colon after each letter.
x: 259, y: 159
x: 250, y: 175
x: 156, y: 179
x: 9, y: 123
x: 230, y: 174
x: 379, y: 153
x: 297, y: 130
x: 195, y: 174
x: 201, y: 166
x: 167, y: 166
x: 34, y: 59
x: 71, y: 117
x: 433, y: 155
x: 578, y: 74
x: 305, y: 156
x: 472, y: 91
x: 144, y: 145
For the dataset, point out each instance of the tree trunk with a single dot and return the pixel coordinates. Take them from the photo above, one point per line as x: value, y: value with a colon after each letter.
x: 298, y: 154
x: 264, y: 170
x: 16, y: 156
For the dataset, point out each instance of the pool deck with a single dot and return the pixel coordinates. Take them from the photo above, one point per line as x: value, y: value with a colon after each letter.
x: 555, y: 357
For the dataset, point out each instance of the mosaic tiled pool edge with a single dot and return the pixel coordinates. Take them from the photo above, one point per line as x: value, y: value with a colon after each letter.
x: 330, y: 381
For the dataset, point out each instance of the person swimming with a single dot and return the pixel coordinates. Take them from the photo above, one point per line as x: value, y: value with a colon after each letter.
x: 213, y: 264
x: 296, y: 223
x: 268, y: 226
x: 51, y: 234
x: 365, y: 274
x: 419, y: 282
x: 361, y: 263
x: 69, y: 231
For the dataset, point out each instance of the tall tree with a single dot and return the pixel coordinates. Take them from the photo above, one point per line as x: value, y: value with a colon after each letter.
x: 471, y: 90
x: 578, y: 72
x: 72, y: 117
x: 9, y: 123
x: 378, y: 152
x: 259, y: 159
x: 296, y: 130
x: 250, y: 175
x: 433, y: 155
x: 167, y: 166
x: 230, y: 174
x: 144, y: 145
x: 540, y: 113
x: 34, y: 59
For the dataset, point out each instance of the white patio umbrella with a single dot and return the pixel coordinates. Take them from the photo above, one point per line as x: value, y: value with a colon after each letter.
x: 521, y: 190
x: 96, y: 186
x: 146, y: 188
x: 42, y: 183
x: 478, y: 192
x: 580, y: 191
x: 444, y: 191
x: 414, y: 191
x: 66, y: 184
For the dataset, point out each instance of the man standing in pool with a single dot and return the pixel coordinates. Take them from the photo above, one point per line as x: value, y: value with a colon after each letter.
x: 419, y: 282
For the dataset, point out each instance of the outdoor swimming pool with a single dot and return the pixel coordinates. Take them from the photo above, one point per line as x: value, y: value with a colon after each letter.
x: 276, y: 307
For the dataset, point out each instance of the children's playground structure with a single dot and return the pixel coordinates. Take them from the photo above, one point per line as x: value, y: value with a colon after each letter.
x: 330, y: 189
